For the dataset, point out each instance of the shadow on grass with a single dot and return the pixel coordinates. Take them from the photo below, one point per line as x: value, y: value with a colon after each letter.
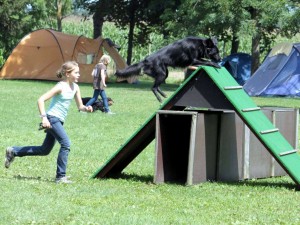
x: 247, y: 183
x: 253, y: 184
x: 262, y: 183
x: 135, y: 177
x: 19, y: 177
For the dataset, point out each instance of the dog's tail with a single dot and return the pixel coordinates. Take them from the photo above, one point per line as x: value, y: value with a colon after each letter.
x: 134, y: 69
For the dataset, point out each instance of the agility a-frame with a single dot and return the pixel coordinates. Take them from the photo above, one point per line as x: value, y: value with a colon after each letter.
x: 214, y: 89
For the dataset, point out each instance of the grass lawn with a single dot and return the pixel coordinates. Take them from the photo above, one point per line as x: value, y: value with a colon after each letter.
x: 29, y: 195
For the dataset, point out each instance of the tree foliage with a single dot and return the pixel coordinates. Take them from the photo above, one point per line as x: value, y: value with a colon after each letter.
x: 132, y: 14
x: 291, y: 24
x: 140, y: 17
x: 54, y: 12
x: 59, y: 9
x: 17, y: 19
x: 231, y: 20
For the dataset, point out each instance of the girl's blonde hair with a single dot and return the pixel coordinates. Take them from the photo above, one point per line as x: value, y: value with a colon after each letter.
x: 105, y: 58
x: 67, y: 67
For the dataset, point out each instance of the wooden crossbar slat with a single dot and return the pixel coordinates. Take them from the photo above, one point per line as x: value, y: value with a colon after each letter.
x: 288, y: 152
x: 233, y: 87
x: 193, y: 67
x: 269, y: 131
x: 251, y: 109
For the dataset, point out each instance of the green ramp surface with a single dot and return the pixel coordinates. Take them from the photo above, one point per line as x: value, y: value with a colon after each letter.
x: 259, y: 124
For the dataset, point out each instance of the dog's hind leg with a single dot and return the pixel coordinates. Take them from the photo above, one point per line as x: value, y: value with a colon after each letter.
x: 156, y: 89
x: 159, y: 72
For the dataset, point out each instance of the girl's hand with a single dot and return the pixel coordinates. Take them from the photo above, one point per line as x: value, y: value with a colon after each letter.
x: 89, y: 108
x: 45, y: 123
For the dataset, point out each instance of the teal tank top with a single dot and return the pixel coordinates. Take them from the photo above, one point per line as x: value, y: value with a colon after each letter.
x: 60, y: 103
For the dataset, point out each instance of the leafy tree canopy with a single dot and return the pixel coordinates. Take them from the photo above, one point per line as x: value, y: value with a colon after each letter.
x: 17, y: 19
x: 230, y: 20
x: 140, y: 17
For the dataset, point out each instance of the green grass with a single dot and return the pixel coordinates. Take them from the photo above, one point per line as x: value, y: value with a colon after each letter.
x: 29, y: 195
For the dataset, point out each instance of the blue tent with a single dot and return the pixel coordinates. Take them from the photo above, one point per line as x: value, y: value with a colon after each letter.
x: 279, y: 74
x: 239, y: 66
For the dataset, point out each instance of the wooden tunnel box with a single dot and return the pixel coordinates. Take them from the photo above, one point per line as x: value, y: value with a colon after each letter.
x: 197, y: 146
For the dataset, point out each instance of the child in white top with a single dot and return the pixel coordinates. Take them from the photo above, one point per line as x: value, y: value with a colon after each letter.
x: 99, y: 74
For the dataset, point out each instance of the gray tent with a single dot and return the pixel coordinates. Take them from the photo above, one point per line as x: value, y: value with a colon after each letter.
x: 279, y: 74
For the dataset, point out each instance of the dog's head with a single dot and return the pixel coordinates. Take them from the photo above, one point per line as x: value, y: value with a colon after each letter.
x: 211, y: 49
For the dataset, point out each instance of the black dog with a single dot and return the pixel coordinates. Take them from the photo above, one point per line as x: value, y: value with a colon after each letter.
x: 182, y: 53
x: 98, y: 104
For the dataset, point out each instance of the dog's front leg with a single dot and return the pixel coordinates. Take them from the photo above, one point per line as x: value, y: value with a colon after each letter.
x: 214, y: 65
x: 205, y: 63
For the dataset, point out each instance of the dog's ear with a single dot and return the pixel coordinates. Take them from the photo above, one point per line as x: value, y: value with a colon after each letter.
x: 211, y: 42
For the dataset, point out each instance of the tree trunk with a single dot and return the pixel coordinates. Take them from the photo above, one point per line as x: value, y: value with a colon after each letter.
x: 234, y: 44
x: 98, y: 21
x: 130, y: 40
x: 59, y: 15
x: 255, y: 41
x: 255, y: 53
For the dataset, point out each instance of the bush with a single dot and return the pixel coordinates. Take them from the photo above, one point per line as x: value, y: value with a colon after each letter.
x: 2, y: 60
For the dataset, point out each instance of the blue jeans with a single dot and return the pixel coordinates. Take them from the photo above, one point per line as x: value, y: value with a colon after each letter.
x: 57, y: 132
x: 102, y: 93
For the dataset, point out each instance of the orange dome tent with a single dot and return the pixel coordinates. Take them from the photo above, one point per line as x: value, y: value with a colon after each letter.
x: 41, y: 53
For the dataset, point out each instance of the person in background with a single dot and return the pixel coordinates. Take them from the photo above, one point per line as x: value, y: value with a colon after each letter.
x: 53, y: 119
x: 100, y: 73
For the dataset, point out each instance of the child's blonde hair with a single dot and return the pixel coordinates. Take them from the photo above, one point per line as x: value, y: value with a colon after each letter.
x: 67, y: 67
x: 105, y: 58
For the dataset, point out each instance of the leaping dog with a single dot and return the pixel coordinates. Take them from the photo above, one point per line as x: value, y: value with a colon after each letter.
x: 182, y: 53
